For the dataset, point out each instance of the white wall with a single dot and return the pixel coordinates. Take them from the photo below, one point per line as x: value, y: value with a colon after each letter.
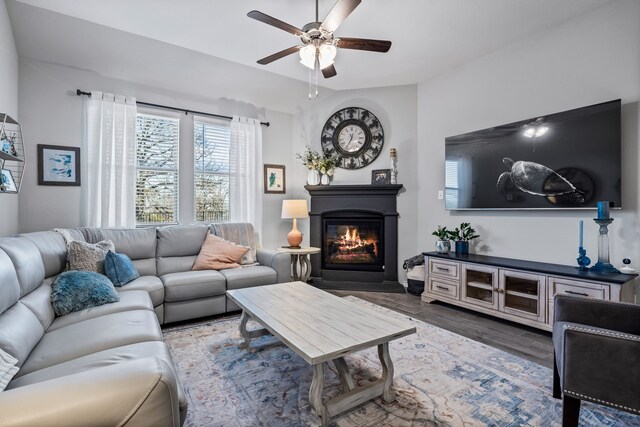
x: 9, y: 105
x: 592, y: 58
x: 53, y: 114
x: 395, y: 107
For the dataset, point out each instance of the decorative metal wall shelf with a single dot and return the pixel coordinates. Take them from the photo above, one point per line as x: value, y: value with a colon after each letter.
x: 12, y: 156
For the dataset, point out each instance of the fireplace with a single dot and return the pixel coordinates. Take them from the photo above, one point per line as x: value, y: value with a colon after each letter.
x: 353, y: 244
x: 356, y: 228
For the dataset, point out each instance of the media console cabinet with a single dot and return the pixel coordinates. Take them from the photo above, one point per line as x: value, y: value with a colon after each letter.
x: 516, y: 290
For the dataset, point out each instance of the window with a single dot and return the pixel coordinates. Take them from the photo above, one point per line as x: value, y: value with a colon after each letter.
x: 157, y: 139
x: 211, y: 170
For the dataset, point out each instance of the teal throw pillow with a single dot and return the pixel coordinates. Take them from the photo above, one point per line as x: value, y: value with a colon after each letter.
x: 76, y: 290
x: 119, y: 269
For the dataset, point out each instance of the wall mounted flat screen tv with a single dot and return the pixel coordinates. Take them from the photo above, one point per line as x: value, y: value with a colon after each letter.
x: 567, y: 160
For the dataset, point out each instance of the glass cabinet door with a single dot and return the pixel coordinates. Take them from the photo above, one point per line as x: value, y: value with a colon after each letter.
x: 522, y: 294
x: 480, y: 285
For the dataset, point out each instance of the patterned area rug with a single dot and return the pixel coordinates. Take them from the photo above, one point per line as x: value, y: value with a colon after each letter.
x: 441, y: 379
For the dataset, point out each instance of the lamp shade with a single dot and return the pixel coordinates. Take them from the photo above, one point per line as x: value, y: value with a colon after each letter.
x: 294, y: 209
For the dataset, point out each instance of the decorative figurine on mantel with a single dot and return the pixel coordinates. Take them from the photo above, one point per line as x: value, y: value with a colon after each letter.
x: 394, y: 169
x: 583, y: 259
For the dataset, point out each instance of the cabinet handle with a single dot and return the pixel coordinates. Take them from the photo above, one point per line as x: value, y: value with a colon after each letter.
x: 577, y: 293
x: 442, y: 269
x: 496, y: 290
x: 501, y: 291
x: 442, y: 288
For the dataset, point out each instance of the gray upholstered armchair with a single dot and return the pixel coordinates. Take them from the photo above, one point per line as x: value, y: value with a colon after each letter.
x: 597, y: 355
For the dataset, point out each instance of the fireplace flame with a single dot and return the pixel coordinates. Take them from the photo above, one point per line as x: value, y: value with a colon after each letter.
x: 351, y: 239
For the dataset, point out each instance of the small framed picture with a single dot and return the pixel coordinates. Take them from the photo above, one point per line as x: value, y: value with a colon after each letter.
x: 58, y: 165
x: 275, y: 181
x: 7, y: 183
x: 381, y: 176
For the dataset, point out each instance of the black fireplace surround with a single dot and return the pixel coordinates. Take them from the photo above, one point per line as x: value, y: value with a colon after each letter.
x: 356, y: 227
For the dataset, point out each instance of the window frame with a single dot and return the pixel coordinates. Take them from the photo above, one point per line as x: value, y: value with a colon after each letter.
x: 164, y: 114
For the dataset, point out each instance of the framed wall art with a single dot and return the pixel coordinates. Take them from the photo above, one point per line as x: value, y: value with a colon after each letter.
x: 58, y: 165
x: 7, y: 183
x: 275, y: 181
x: 381, y: 176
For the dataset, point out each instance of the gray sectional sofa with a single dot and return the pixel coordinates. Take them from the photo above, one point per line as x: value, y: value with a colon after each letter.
x: 108, y: 365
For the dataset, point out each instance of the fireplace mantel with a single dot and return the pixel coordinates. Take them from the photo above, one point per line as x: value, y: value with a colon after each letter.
x: 356, y: 200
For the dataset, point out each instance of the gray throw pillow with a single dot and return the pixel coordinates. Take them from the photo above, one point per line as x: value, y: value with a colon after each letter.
x: 85, y: 256
x: 8, y: 368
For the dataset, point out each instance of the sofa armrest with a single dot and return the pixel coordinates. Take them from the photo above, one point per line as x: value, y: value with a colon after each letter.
x: 601, y: 366
x: 615, y: 316
x: 140, y: 392
x: 279, y: 261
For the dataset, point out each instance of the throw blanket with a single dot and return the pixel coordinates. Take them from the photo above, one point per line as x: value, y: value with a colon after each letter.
x: 413, y: 261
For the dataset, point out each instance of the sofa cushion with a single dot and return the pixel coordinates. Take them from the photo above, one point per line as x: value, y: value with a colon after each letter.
x: 77, y: 290
x: 247, y: 277
x: 219, y: 254
x: 8, y: 368
x: 178, y: 247
x: 139, y: 244
x: 39, y: 302
x: 85, y: 256
x: 152, y: 284
x: 10, y: 287
x: 193, y: 284
x: 133, y: 300
x: 92, y: 335
x: 27, y: 262
x: 241, y: 234
x: 20, y: 331
x: 53, y: 250
x: 119, y: 269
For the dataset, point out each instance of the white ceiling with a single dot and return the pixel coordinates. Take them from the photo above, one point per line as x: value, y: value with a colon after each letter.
x: 429, y: 36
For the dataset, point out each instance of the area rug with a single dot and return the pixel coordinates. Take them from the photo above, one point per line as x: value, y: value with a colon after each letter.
x: 441, y: 379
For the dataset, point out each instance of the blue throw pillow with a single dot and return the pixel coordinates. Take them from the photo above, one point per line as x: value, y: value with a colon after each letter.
x: 77, y: 290
x: 119, y: 269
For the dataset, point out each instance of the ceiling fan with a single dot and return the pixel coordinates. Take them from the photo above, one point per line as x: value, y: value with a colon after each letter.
x: 319, y: 46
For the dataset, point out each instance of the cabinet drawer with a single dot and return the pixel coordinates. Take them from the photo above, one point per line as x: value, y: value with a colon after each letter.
x: 444, y: 268
x: 443, y: 287
x: 579, y: 289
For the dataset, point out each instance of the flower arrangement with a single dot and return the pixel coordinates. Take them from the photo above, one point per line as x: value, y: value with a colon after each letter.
x: 310, y: 159
x: 327, y: 164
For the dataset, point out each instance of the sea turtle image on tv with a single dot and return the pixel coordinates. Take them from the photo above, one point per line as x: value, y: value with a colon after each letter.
x: 539, y: 180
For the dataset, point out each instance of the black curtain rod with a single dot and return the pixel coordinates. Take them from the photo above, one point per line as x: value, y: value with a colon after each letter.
x: 166, y: 107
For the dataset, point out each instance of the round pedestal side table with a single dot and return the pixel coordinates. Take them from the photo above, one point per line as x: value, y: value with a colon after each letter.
x: 300, y: 263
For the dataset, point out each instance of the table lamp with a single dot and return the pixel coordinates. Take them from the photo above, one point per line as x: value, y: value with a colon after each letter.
x: 294, y: 209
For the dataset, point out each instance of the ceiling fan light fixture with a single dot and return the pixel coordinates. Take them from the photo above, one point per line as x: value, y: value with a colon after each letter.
x: 308, y: 56
x: 327, y: 54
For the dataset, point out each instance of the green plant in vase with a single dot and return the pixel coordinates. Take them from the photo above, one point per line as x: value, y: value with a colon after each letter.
x: 462, y: 236
x: 443, y: 244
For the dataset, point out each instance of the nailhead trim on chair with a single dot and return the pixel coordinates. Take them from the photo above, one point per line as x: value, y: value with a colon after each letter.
x: 603, y: 333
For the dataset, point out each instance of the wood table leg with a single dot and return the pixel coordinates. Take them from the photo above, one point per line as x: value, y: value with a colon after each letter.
x: 315, y: 394
x: 294, y: 267
x: 304, y: 260
x: 247, y: 335
x: 343, y: 372
x: 387, y: 372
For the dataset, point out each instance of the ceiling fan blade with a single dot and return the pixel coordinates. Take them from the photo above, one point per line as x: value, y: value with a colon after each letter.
x: 364, y: 44
x: 270, y: 20
x: 329, y: 71
x: 338, y: 14
x: 269, y: 59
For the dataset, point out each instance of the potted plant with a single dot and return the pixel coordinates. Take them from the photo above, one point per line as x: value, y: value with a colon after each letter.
x: 462, y: 236
x: 311, y: 160
x: 443, y: 244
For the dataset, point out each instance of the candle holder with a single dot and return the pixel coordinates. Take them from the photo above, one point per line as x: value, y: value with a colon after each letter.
x: 583, y: 259
x: 603, y: 265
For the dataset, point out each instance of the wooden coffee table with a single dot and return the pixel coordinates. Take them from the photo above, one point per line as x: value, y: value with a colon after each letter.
x: 322, y: 328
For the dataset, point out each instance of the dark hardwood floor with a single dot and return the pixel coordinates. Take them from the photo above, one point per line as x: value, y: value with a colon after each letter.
x: 523, y: 341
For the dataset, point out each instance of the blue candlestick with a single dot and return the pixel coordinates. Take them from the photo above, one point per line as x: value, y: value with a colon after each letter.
x: 581, y: 233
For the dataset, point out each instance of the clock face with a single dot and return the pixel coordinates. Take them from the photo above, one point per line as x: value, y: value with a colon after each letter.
x: 351, y: 138
x: 355, y: 134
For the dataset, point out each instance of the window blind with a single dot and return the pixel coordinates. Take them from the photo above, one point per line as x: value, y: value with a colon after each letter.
x: 451, y: 182
x: 212, y: 141
x: 157, y: 141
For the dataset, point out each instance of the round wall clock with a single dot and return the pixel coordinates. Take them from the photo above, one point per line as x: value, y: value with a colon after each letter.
x: 355, y: 134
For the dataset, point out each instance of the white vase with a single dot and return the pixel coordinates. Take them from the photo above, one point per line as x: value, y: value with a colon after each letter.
x: 313, y: 177
x: 324, y: 180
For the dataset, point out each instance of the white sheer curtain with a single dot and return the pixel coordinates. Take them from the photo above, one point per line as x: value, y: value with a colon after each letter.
x: 109, y: 183
x: 245, y: 187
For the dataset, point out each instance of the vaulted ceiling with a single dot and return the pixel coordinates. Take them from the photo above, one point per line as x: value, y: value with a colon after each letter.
x: 429, y: 36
